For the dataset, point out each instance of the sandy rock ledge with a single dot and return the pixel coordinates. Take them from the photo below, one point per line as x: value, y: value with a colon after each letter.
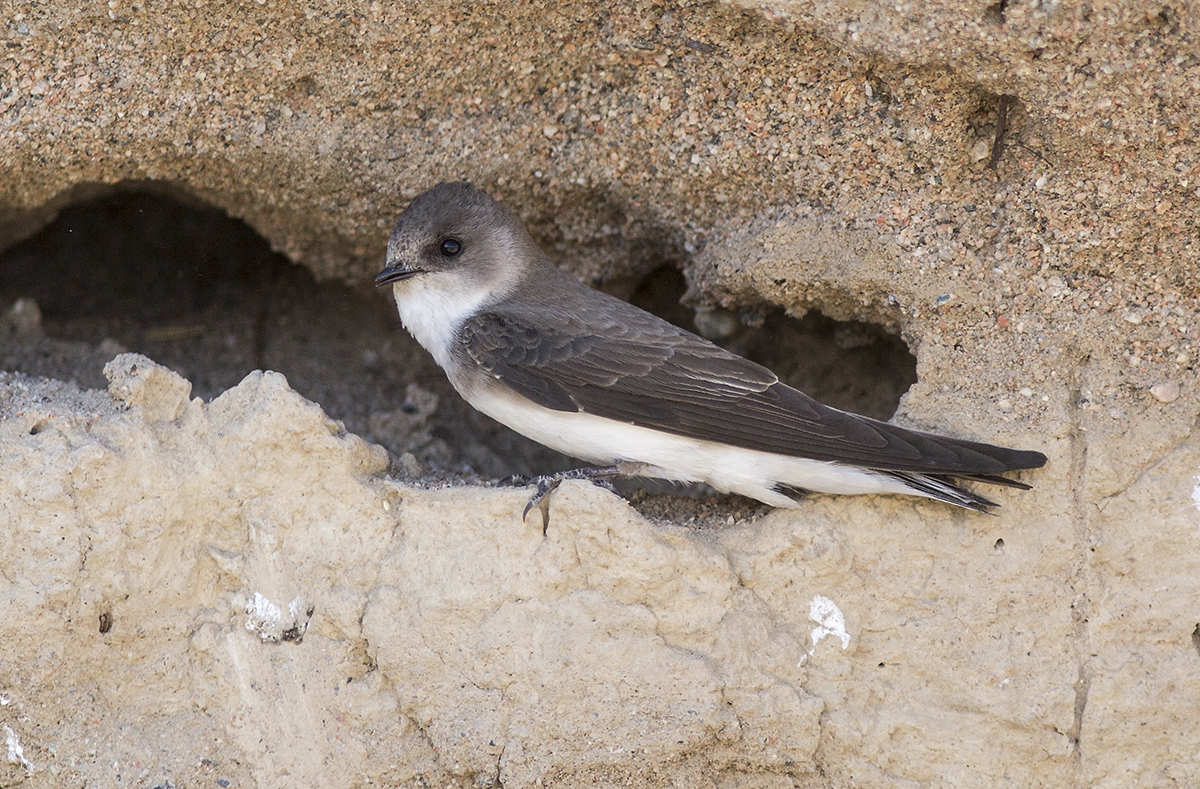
x: 235, y: 592
x: 242, y: 571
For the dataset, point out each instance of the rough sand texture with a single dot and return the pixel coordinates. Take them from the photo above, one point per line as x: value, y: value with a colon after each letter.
x: 159, y: 556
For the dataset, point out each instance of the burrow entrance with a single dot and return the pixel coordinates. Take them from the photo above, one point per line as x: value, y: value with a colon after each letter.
x: 204, y: 295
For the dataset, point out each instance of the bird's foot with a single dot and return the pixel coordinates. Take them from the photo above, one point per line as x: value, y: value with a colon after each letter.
x: 599, y: 475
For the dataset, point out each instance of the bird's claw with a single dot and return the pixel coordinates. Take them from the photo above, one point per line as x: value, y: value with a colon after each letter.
x: 547, y: 484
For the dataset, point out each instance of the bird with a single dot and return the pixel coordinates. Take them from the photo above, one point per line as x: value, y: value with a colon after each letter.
x: 603, y: 381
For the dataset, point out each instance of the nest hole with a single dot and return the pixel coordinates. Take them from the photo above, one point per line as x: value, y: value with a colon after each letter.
x: 202, y: 293
x: 190, y: 287
x: 855, y: 366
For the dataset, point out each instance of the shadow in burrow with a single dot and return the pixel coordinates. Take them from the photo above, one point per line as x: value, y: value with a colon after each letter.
x: 156, y: 272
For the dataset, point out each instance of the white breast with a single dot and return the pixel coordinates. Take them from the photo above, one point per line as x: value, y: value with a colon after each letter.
x: 433, y: 309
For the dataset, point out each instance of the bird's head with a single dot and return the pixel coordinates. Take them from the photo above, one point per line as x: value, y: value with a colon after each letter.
x: 456, y: 233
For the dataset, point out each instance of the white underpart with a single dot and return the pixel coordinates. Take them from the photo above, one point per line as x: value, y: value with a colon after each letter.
x: 729, y: 469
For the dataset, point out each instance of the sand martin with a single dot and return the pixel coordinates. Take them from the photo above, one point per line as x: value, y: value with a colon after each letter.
x: 606, y: 382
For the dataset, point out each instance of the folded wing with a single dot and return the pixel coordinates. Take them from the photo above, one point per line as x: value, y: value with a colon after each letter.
x: 605, y: 357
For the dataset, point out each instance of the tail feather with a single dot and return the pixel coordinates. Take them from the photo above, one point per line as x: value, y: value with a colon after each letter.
x: 942, y: 485
x: 995, y: 479
x: 942, y: 488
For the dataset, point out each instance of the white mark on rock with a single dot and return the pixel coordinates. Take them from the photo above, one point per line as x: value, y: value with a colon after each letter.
x: 16, y: 754
x: 1196, y: 494
x: 829, y: 617
x: 4, y: 702
x: 266, y: 619
x: 830, y: 622
x: 264, y: 616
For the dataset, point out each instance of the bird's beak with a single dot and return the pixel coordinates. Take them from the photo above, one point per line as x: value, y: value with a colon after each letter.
x: 394, y: 274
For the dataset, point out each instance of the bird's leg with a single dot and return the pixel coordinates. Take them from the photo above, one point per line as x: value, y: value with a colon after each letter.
x: 548, y: 483
x: 597, y: 474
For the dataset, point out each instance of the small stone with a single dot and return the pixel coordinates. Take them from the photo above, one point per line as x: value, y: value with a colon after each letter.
x: 24, y: 317
x: 110, y: 347
x: 139, y: 382
x: 1167, y: 392
x: 716, y: 323
x: 411, y: 467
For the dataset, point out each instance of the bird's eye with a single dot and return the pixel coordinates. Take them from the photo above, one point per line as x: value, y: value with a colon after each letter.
x: 451, y: 247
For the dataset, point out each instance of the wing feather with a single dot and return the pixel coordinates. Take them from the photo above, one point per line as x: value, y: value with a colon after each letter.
x: 602, y: 356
